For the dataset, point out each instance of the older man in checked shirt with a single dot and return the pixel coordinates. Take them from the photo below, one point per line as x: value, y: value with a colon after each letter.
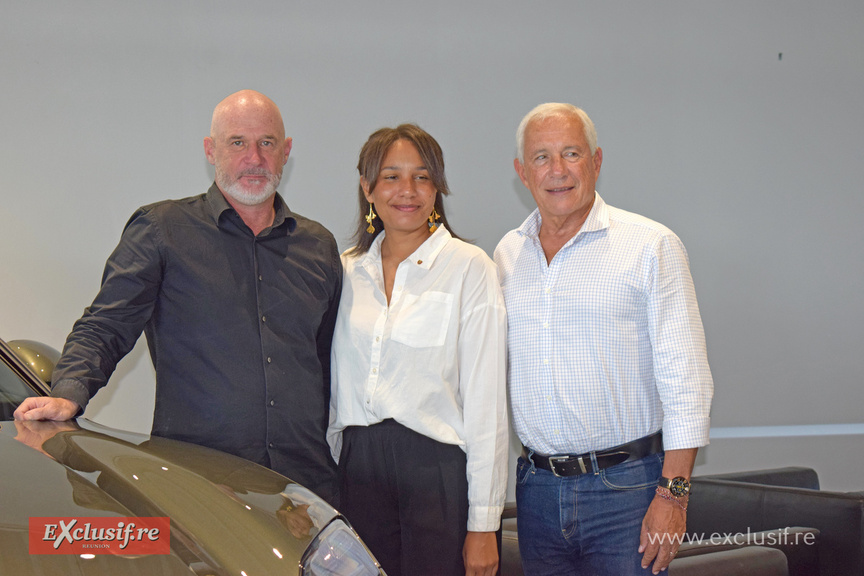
x: 609, y: 379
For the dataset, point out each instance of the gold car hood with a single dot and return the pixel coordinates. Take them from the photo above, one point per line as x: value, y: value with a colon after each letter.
x: 228, y: 515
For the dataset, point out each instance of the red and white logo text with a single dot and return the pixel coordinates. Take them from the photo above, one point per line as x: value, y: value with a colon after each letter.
x: 100, y: 535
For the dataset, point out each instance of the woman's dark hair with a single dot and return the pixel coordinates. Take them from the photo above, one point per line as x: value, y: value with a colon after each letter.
x: 369, y: 166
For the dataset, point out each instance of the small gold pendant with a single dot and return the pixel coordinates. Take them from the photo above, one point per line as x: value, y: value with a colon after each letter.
x: 370, y: 229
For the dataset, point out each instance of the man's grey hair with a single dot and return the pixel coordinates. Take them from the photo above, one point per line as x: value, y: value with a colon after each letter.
x: 549, y: 110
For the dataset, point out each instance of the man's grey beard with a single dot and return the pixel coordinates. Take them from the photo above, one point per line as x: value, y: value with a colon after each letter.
x: 235, y: 189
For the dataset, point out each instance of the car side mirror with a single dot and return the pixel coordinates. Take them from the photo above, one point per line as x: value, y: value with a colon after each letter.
x: 39, y: 357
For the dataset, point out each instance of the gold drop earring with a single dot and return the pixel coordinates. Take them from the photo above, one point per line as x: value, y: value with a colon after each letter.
x: 432, y: 220
x: 369, y: 218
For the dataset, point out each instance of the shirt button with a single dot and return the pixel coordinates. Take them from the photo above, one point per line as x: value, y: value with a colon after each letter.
x: 270, y: 445
x: 272, y: 402
x: 269, y: 360
x: 545, y: 361
x: 259, y: 277
x: 545, y: 324
x: 548, y: 290
x: 377, y: 338
x: 263, y: 318
x: 374, y: 370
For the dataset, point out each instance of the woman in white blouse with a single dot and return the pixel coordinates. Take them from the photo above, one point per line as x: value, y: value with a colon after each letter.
x: 418, y: 414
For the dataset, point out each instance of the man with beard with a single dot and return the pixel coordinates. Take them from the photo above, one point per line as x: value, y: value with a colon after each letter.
x: 237, y: 296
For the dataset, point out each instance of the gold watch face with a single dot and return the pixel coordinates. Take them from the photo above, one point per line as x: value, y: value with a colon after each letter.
x: 679, y: 486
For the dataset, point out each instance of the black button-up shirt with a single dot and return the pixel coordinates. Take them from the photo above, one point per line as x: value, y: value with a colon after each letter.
x: 239, y: 329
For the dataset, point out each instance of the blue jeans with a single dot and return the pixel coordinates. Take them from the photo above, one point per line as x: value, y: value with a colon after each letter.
x: 587, y: 524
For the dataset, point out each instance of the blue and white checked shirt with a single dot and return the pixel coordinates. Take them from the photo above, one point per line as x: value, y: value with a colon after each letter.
x: 605, y: 343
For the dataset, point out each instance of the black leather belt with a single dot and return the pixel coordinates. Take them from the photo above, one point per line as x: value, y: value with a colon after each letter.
x: 571, y: 465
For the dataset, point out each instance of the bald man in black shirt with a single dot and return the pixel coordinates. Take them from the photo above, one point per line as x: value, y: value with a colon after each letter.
x: 237, y: 296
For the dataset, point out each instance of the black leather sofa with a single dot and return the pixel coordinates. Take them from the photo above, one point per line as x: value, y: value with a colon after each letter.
x: 763, y: 522
x: 694, y: 559
x: 785, y: 497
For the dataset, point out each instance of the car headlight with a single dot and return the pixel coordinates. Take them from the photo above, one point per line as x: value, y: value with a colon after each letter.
x: 337, y: 550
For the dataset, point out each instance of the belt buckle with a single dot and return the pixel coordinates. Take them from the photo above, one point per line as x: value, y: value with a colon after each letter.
x: 554, y: 459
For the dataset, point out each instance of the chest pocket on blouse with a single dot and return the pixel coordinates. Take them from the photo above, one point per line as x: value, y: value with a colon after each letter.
x: 423, y: 320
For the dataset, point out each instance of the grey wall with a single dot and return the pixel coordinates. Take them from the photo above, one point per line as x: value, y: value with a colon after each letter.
x: 737, y: 124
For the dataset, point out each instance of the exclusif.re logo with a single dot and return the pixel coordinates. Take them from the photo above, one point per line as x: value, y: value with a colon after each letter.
x: 100, y: 535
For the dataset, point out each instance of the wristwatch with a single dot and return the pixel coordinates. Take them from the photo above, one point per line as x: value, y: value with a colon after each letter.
x: 678, y: 486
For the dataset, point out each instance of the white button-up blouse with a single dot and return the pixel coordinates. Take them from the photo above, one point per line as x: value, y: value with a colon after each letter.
x: 434, y: 360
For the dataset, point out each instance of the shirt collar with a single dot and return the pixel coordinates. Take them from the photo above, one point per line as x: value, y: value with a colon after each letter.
x: 219, y: 205
x: 423, y: 257
x: 598, y: 219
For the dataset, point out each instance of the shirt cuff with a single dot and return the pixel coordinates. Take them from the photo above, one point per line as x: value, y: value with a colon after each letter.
x: 484, y: 518
x: 684, y: 434
x: 71, y: 390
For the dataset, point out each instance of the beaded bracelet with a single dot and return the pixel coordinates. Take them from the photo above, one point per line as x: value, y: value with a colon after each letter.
x: 666, y: 495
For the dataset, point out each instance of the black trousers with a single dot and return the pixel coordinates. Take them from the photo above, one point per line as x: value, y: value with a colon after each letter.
x: 407, y: 497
